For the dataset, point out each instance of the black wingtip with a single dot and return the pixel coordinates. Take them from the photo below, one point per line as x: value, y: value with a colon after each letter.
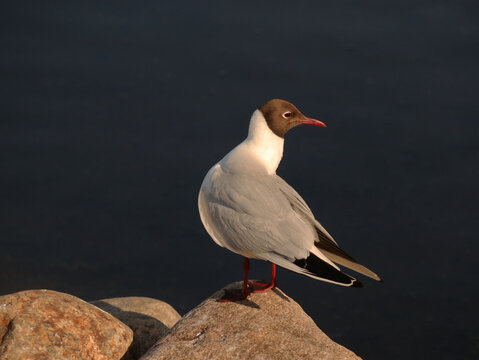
x: 357, y: 283
x: 322, y: 269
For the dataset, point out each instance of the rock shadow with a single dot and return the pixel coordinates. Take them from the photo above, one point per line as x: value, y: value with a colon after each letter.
x: 280, y: 294
x: 146, y: 329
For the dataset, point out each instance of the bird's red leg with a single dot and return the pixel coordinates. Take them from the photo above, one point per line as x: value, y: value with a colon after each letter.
x: 232, y: 296
x: 273, y: 274
x: 260, y: 287
x: 245, y: 276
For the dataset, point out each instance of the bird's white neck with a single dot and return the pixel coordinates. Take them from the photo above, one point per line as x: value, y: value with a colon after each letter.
x: 263, y: 143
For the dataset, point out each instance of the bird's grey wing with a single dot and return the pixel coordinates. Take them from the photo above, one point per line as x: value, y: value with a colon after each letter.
x: 251, y: 216
x: 300, y: 206
x: 324, y: 241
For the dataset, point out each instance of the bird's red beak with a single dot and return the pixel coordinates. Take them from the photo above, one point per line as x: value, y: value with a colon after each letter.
x: 313, y: 122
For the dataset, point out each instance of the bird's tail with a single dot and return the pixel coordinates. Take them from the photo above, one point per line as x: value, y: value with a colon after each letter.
x: 315, y: 268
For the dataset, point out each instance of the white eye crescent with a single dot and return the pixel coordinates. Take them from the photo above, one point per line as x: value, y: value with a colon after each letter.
x: 287, y: 114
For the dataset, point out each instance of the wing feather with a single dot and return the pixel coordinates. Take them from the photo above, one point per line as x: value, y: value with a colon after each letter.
x: 325, y: 242
x: 250, y: 215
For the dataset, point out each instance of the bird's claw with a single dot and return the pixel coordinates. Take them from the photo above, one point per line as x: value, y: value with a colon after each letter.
x: 261, y: 287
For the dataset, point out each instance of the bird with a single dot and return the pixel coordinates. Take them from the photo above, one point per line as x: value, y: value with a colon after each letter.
x: 248, y: 209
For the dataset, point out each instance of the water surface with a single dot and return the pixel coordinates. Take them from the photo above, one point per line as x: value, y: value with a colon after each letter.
x: 111, y: 114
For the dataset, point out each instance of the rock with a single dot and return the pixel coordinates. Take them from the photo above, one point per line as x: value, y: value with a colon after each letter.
x: 265, y: 326
x: 150, y: 319
x: 44, y: 324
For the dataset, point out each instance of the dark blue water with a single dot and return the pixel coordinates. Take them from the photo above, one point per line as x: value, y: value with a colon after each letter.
x: 112, y: 112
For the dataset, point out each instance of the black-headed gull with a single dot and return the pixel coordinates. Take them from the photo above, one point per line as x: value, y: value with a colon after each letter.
x: 248, y: 209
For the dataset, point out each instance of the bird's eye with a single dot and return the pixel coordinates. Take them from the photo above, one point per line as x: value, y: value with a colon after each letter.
x: 287, y: 114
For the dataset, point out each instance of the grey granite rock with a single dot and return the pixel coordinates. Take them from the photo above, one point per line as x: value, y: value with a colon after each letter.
x: 265, y: 326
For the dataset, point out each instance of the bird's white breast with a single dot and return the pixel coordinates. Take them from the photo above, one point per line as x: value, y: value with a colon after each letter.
x: 260, y: 152
x: 262, y: 147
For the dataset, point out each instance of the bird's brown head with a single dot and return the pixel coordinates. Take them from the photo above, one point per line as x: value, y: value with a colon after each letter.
x: 281, y: 116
